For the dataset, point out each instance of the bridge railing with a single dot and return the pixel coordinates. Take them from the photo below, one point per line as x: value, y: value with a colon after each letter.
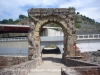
x: 89, y: 36
x: 51, y: 38
x: 13, y: 39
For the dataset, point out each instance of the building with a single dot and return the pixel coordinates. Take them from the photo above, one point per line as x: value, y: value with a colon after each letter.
x: 51, y: 31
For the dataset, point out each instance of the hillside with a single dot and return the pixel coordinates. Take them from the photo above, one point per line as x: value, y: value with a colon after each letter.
x: 23, y: 22
x: 86, y: 25
x: 83, y: 24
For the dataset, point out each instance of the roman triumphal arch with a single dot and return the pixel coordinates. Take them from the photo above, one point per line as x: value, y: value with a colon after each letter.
x: 38, y: 17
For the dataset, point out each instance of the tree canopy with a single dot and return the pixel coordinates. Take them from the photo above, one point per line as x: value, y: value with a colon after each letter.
x: 11, y: 21
x: 22, y: 17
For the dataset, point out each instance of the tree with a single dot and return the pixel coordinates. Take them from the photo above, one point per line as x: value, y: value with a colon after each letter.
x: 54, y: 25
x: 78, y: 13
x: 21, y: 17
x: 72, y: 8
x: 77, y: 25
x: 10, y: 21
x: 16, y: 21
x: 0, y: 22
x: 4, y: 21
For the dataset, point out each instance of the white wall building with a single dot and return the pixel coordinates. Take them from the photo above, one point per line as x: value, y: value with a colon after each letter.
x: 51, y: 32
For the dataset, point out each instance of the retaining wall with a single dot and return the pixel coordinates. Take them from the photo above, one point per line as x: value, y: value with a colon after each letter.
x: 6, y: 61
x: 86, y: 70
x: 21, y: 69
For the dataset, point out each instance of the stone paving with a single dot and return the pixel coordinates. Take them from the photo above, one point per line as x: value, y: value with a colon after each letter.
x: 51, y: 65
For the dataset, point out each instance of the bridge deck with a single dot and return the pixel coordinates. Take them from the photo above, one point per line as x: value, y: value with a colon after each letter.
x: 51, y: 65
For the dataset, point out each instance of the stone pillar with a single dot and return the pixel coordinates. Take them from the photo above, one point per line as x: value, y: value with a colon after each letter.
x: 71, y: 45
x: 66, y: 52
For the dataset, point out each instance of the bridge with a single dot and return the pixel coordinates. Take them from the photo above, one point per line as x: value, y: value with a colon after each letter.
x: 84, y: 42
x: 52, y: 63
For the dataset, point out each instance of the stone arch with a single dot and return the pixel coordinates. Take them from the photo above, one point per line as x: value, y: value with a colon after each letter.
x: 40, y: 17
x: 51, y: 19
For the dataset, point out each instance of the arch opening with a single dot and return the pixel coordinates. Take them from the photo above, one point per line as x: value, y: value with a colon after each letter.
x: 58, y: 21
x: 58, y: 44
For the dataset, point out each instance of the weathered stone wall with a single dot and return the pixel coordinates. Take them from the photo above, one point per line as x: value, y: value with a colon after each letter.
x: 3, y: 62
x: 42, y: 16
x: 86, y: 70
x: 21, y: 69
x: 74, y: 50
x: 86, y: 56
x: 6, y: 61
x: 74, y: 62
x: 75, y: 66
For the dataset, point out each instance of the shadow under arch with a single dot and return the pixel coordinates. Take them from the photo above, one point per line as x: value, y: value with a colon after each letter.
x: 52, y: 55
x: 55, y: 50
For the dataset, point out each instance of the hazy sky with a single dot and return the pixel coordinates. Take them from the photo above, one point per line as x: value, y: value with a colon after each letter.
x: 13, y: 8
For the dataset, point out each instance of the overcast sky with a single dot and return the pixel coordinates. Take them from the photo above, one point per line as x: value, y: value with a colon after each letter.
x: 13, y: 8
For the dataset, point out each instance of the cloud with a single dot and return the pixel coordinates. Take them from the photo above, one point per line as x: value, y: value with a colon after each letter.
x: 89, y: 8
x: 13, y: 8
x: 17, y: 7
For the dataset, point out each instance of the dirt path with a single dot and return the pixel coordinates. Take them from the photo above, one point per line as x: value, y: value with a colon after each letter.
x: 51, y: 65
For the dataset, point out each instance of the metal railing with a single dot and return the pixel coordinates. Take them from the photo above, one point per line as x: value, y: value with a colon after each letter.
x: 89, y: 36
x: 13, y: 39
x: 53, y: 38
